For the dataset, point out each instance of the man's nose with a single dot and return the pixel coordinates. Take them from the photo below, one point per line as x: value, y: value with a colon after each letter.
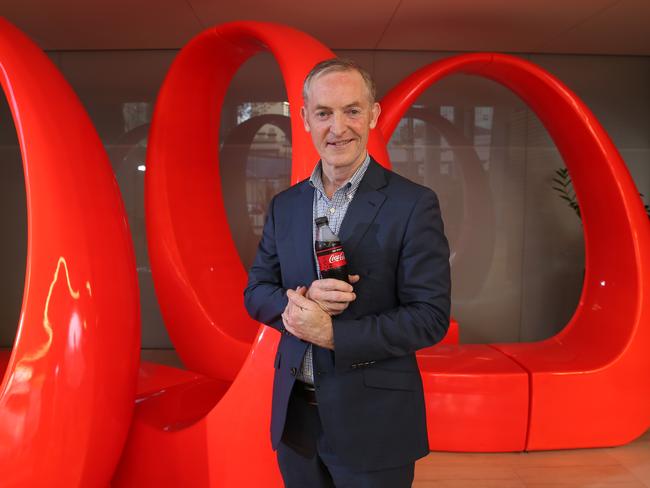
x: 338, y: 124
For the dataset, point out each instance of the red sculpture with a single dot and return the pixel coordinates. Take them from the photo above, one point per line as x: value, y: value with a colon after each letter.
x: 66, y: 399
x: 587, y: 383
x: 77, y: 342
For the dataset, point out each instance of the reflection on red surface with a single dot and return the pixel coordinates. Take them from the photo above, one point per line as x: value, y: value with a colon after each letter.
x: 66, y: 399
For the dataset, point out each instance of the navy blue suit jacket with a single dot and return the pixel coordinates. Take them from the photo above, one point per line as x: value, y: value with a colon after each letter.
x: 369, y: 389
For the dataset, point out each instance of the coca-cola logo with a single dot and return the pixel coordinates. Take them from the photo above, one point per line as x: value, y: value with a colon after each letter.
x: 335, y: 258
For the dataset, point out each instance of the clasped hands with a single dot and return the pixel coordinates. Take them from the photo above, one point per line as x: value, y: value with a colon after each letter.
x: 308, y: 314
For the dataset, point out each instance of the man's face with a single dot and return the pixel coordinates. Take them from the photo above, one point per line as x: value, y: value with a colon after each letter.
x: 339, y: 115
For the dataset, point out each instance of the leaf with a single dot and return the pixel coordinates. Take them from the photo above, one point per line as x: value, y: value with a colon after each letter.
x: 560, y: 182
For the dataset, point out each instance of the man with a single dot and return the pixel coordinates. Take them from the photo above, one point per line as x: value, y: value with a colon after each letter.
x: 348, y: 405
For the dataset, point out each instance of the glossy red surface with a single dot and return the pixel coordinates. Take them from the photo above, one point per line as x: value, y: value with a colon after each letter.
x: 154, y: 378
x: 201, y: 433
x: 196, y: 269
x: 476, y: 399
x: 593, y: 373
x: 198, y: 275
x: 66, y: 399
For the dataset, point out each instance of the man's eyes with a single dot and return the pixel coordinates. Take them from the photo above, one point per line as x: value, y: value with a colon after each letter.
x: 352, y: 112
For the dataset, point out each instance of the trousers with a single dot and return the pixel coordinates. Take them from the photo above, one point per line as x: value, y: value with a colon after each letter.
x: 306, y: 459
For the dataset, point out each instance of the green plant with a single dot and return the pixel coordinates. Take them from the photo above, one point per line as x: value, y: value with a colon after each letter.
x: 564, y: 187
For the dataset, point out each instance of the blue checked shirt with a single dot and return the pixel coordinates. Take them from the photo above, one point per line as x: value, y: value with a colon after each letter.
x: 334, y: 210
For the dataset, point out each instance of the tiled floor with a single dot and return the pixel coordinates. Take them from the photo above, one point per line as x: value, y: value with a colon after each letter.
x: 620, y: 467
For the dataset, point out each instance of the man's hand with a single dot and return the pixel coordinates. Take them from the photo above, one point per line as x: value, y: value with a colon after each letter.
x: 332, y: 295
x: 306, y: 320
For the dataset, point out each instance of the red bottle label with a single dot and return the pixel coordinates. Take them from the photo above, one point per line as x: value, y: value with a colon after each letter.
x: 332, y: 257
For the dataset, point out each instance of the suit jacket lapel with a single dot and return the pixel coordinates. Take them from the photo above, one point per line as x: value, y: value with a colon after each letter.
x: 302, y: 232
x: 363, y: 207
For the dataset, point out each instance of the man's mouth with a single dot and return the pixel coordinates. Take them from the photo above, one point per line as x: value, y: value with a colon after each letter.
x: 339, y: 143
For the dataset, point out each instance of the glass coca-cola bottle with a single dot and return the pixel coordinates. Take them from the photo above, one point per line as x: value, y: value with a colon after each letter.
x: 329, y: 252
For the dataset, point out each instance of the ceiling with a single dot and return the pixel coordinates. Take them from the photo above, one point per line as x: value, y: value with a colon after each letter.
x: 523, y: 26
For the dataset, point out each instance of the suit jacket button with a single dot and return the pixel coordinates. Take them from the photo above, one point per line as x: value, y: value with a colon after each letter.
x: 294, y: 371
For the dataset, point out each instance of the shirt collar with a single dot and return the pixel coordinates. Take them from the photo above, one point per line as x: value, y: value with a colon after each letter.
x: 351, y: 185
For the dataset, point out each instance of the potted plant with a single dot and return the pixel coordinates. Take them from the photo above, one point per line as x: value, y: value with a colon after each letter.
x: 564, y: 187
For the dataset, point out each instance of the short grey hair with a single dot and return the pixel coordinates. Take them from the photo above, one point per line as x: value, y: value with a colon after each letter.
x: 334, y: 65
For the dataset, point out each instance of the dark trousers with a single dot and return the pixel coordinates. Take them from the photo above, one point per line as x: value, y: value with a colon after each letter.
x: 306, y: 459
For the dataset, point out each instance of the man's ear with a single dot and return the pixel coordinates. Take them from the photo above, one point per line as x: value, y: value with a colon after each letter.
x: 303, y: 116
x: 376, y: 110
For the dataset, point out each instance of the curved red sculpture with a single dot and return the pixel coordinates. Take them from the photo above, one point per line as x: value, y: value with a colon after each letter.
x: 199, y: 278
x: 605, y: 343
x: 197, y: 273
x: 66, y: 398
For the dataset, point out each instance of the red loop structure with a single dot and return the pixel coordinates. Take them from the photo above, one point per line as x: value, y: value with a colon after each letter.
x: 204, y: 431
x: 567, y: 382
x: 66, y: 399
x: 197, y: 273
